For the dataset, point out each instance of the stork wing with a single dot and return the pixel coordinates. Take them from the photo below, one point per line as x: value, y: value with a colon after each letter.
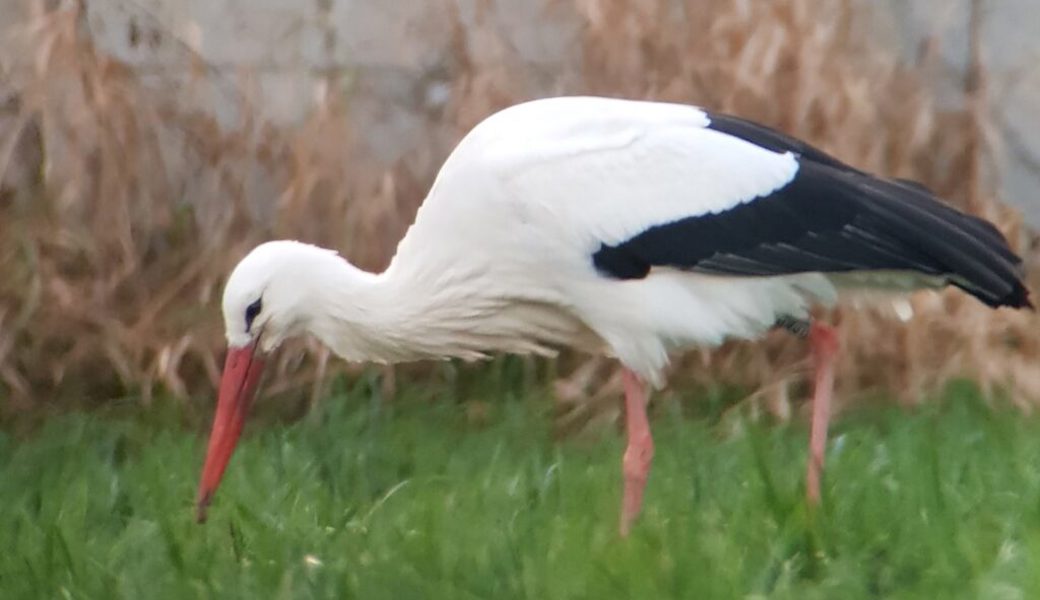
x: 639, y: 185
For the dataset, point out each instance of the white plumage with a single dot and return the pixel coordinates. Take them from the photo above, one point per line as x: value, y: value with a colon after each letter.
x: 530, y: 193
x: 633, y: 229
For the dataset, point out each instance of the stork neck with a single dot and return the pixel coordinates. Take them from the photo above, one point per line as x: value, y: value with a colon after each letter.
x: 392, y: 316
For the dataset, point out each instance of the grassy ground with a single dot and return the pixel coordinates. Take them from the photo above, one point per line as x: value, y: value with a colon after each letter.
x: 416, y: 500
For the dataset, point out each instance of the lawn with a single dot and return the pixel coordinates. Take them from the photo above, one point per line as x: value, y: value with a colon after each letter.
x: 419, y: 499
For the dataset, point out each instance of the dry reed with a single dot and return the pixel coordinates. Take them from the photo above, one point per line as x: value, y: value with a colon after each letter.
x: 134, y: 203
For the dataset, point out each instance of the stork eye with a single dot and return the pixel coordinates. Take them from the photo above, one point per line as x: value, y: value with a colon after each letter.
x: 252, y: 311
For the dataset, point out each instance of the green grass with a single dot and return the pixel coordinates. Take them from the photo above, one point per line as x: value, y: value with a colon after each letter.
x: 414, y: 500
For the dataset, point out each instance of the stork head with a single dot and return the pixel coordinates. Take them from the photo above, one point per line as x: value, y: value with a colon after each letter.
x: 265, y: 301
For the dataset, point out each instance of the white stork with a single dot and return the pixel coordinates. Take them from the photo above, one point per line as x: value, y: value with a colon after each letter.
x: 627, y: 228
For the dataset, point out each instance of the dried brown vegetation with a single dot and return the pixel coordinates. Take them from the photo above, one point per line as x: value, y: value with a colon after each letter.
x: 113, y: 247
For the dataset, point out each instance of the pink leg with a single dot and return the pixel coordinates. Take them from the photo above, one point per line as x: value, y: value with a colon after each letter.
x: 824, y: 342
x: 640, y: 451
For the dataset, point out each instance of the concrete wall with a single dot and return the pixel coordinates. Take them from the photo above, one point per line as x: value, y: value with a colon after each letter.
x: 398, y: 54
x: 394, y: 58
x: 1010, y: 52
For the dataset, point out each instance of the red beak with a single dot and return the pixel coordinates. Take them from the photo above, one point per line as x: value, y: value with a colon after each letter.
x: 242, y: 371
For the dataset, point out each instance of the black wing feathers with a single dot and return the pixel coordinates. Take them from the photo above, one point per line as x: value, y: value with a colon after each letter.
x: 774, y: 140
x: 830, y: 218
x: 777, y: 141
